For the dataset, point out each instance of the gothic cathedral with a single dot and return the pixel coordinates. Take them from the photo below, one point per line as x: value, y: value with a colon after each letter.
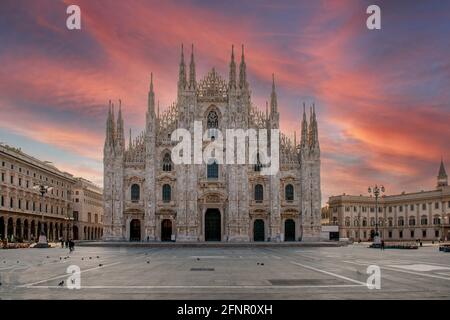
x: 148, y: 197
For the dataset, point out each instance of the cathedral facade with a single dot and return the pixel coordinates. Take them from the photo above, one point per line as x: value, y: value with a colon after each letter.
x: 149, y: 197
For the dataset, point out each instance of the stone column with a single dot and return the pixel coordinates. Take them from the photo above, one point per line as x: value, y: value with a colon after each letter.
x: 14, y: 228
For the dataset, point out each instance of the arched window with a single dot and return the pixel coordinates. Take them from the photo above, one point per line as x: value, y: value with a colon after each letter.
x: 212, y: 170
x: 135, y: 192
x: 424, y: 220
x: 412, y: 221
x: 347, y: 222
x: 364, y: 223
x: 390, y: 222
x: 259, y: 192
x: 166, y: 193
x: 212, y: 123
x: 167, y: 162
x: 437, y: 220
x: 289, y: 192
x: 401, y: 222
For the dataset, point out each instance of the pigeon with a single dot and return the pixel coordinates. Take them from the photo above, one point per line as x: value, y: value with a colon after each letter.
x: 17, y: 261
x: 98, y: 257
x: 148, y: 261
x: 82, y: 258
x: 257, y: 263
x: 61, y: 283
x: 48, y: 257
x: 60, y: 258
x: 90, y: 258
x: 100, y: 265
x: 198, y: 259
x: 262, y: 264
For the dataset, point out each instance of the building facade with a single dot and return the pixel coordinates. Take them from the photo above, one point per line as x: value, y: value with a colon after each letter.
x: 421, y: 215
x: 24, y: 212
x: 87, y: 210
x: 149, y: 197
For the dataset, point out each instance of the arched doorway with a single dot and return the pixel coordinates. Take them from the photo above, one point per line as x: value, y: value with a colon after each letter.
x: 10, y: 227
x: 50, y: 235
x: 32, y: 230
x: 258, y: 230
x: 289, y: 230
x: 18, y: 235
x: 75, y: 233
x: 25, y: 229
x: 2, y: 228
x: 166, y: 230
x: 135, y: 230
x: 213, y: 230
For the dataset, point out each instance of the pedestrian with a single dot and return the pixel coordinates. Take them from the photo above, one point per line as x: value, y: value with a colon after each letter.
x: 61, y: 239
x: 382, y: 245
x: 67, y: 243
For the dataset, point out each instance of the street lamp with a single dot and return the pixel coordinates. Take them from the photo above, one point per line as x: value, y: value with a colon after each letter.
x: 376, y: 191
x: 42, y: 189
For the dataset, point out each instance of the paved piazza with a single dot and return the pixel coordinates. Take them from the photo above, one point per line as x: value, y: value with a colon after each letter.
x: 225, y: 273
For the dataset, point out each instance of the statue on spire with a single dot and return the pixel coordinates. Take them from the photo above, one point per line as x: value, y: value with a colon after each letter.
x: 182, y: 72
x: 242, y: 72
x: 192, y: 82
x: 232, y: 80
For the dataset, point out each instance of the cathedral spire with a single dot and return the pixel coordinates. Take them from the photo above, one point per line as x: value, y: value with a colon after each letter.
x: 182, y: 72
x: 120, y: 129
x: 304, y: 136
x: 442, y: 179
x: 242, y: 72
x: 129, y: 143
x: 192, y: 82
x: 232, y: 80
x: 109, y: 127
x: 273, y: 97
x: 158, y: 111
x: 151, y: 97
x: 313, y: 130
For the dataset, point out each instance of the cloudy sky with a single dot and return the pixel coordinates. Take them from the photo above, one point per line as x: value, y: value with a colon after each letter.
x: 382, y: 97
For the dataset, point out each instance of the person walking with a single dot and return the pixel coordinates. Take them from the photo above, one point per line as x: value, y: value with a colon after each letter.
x: 62, y: 241
x: 71, y: 246
x: 382, y: 245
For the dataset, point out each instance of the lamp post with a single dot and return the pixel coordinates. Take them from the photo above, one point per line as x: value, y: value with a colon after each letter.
x: 42, y: 189
x: 376, y: 191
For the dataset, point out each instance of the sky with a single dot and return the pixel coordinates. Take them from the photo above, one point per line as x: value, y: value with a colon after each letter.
x: 382, y: 97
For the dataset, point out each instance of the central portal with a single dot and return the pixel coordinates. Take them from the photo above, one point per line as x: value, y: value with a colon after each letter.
x: 213, y: 230
x: 166, y: 230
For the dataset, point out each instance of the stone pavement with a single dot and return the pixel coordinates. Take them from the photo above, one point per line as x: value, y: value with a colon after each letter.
x: 225, y: 273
